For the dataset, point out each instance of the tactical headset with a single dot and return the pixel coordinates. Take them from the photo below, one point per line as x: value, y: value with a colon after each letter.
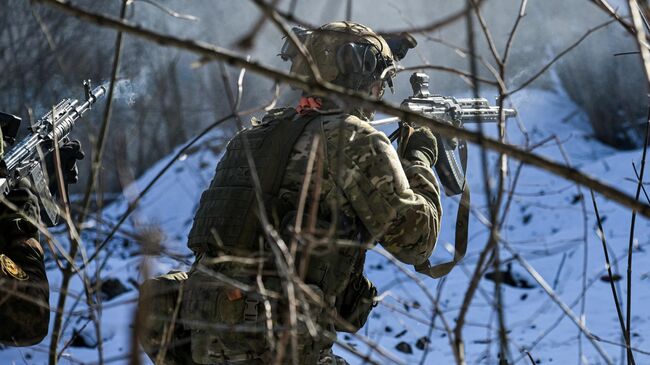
x: 360, y: 60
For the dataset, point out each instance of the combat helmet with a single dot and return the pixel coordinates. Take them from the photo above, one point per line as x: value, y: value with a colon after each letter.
x: 349, y: 54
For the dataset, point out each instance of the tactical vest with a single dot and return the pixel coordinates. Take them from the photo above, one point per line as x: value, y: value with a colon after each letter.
x: 227, y: 221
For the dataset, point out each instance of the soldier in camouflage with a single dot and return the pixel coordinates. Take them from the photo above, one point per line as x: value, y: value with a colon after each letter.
x: 24, y: 290
x: 328, y: 186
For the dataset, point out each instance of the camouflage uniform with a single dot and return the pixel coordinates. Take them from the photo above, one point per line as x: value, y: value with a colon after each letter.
x: 24, y: 291
x: 360, y: 191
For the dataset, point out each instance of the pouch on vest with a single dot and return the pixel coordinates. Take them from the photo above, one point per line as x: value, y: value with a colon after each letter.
x: 159, y: 305
x: 232, y: 328
x: 355, y: 304
x: 226, y: 323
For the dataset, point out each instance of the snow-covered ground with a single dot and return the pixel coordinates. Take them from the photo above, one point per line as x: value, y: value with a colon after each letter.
x: 545, y: 224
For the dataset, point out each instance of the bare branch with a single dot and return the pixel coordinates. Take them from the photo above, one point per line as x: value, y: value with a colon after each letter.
x: 486, y: 32
x: 565, y: 308
x: 638, y: 20
x: 608, y: 266
x: 436, y: 24
x: 270, y: 12
x: 511, y: 37
x: 445, y: 69
x: 169, y: 11
x: 137, y: 199
x: 248, y: 40
x: 558, y: 57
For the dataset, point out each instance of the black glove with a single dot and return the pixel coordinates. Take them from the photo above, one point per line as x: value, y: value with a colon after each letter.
x: 70, y: 152
x: 418, y: 144
x: 12, y: 222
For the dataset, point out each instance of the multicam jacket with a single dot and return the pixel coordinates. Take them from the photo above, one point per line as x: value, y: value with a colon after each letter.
x: 396, y: 202
x: 363, y: 189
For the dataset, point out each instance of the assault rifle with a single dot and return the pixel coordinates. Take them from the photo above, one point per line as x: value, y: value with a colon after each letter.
x: 447, y: 109
x: 23, y: 160
x: 455, y: 111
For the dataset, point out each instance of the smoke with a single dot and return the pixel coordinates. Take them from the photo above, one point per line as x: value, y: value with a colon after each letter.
x: 127, y: 90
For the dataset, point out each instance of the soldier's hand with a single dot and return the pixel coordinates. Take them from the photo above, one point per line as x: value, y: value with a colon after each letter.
x: 12, y: 221
x: 70, y: 153
x: 418, y: 144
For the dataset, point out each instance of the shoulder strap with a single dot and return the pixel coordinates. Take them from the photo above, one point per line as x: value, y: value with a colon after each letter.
x: 290, y: 130
x: 278, y: 144
x: 462, y: 227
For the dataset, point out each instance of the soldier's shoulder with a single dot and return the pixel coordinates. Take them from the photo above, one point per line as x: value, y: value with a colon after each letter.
x: 276, y: 114
x: 347, y: 122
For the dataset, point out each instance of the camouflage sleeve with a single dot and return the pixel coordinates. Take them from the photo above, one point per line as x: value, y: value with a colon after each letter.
x: 24, y: 294
x: 24, y: 289
x: 399, y: 205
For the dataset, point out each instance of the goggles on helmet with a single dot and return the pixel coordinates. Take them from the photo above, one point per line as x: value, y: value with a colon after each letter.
x: 363, y: 59
x: 289, y: 50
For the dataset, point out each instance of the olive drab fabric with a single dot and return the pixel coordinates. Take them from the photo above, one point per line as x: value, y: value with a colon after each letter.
x: 162, y: 334
x: 227, y: 221
x: 24, y: 290
x: 24, y: 293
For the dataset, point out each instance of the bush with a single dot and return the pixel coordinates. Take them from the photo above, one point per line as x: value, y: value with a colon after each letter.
x: 610, y: 89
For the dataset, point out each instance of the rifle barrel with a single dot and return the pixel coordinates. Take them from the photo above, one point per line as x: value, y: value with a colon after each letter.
x: 474, y: 115
x: 384, y: 121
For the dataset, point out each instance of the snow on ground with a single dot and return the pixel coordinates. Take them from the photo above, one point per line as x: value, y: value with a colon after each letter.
x: 546, y: 224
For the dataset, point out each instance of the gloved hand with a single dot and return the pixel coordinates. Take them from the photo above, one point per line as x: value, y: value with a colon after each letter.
x: 70, y: 152
x: 12, y: 222
x: 418, y: 144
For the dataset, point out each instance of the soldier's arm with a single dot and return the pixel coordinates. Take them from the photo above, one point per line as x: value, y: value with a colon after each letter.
x: 399, y: 205
x: 24, y: 294
x: 24, y: 290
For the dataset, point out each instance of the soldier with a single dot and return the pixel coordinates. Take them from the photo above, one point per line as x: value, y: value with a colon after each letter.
x: 235, y: 304
x: 24, y: 290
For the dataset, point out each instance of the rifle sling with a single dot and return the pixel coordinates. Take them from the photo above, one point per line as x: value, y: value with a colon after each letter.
x: 462, y: 226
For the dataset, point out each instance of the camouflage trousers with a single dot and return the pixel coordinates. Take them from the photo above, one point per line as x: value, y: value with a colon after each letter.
x: 169, y: 338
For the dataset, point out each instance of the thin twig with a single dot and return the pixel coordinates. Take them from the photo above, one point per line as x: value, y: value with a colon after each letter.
x: 137, y: 199
x: 607, y: 8
x: 565, y: 308
x: 103, y: 131
x: 169, y: 11
x: 636, y: 173
x: 486, y: 32
x: 272, y: 14
x: 585, y: 244
x: 608, y: 266
x: 248, y: 40
x: 558, y: 57
x: 438, y: 24
x: 75, y: 243
x: 445, y: 69
x: 511, y: 37
x: 638, y: 21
